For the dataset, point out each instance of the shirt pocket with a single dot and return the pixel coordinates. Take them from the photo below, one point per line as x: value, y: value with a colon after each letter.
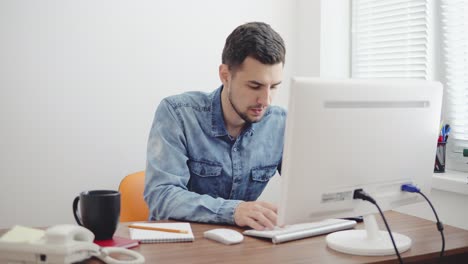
x: 205, y: 169
x: 264, y: 173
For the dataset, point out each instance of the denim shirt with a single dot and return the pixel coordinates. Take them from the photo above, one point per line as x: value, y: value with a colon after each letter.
x: 196, y: 171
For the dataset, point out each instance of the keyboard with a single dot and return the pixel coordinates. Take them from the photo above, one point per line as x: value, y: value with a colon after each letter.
x: 303, y: 230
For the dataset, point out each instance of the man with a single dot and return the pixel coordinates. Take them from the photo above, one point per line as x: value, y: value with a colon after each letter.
x: 211, y: 155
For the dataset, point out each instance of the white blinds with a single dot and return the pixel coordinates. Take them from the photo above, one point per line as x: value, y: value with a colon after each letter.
x: 389, y: 39
x: 455, y: 58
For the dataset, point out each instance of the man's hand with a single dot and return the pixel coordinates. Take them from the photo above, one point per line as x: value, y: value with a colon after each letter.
x: 258, y: 215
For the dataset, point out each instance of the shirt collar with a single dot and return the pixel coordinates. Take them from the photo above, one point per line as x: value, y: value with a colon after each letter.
x: 218, y: 128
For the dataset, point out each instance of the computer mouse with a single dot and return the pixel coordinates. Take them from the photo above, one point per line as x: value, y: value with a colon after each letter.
x: 224, y: 235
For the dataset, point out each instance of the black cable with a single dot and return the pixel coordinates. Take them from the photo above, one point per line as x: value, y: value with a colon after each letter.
x: 440, y: 227
x: 360, y: 194
x: 414, y: 189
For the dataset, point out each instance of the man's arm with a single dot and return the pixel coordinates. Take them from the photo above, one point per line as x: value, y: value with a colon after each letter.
x: 167, y: 176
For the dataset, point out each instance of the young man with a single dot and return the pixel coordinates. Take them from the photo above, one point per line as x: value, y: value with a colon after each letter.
x: 211, y: 155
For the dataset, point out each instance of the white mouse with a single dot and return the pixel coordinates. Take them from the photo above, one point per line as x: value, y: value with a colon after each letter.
x: 224, y: 235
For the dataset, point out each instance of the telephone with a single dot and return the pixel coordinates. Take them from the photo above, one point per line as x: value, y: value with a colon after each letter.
x: 61, y: 244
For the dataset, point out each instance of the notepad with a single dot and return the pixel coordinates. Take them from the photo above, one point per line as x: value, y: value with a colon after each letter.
x: 150, y: 236
x: 117, y: 241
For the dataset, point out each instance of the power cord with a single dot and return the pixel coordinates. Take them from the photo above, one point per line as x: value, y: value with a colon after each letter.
x: 413, y: 189
x: 360, y: 194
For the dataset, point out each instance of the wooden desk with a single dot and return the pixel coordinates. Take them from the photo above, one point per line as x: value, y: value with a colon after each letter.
x: 425, y: 249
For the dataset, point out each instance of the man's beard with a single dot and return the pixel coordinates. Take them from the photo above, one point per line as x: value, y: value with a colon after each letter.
x: 242, y: 115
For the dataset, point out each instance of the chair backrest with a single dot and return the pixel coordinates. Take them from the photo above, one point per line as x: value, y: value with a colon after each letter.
x: 133, y: 206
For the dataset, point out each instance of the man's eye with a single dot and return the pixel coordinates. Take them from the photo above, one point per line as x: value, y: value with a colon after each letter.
x: 254, y: 86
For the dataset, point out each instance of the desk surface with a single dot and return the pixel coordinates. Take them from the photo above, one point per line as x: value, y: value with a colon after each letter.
x: 426, y: 247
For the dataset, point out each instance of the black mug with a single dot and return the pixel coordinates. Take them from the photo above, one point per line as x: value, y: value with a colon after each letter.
x: 100, y: 212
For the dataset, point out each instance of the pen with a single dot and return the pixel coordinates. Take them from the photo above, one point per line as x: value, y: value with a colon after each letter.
x: 447, y: 132
x: 159, y: 229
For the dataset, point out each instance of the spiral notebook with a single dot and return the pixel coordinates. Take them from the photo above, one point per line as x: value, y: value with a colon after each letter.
x: 152, y: 236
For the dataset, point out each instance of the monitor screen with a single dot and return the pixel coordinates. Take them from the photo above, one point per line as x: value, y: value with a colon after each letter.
x: 343, y: 135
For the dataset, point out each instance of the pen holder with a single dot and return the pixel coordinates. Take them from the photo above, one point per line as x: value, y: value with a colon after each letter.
x: 439, y: 166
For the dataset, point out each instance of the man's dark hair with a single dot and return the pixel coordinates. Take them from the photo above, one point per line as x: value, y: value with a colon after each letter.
x: 257, y: 40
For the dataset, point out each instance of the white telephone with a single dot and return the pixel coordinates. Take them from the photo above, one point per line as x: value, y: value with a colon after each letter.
x: 61, y: 244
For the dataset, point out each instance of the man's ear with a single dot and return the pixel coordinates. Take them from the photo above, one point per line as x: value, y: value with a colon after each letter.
x: 224, y: 73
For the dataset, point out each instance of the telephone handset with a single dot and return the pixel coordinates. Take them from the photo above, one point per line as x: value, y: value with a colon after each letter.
x: 70, y: 243
x: 62, y: 244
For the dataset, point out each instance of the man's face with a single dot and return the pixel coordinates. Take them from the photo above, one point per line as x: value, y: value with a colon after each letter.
x: 251, y: 88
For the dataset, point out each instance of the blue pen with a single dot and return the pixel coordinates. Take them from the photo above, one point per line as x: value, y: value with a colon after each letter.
x: 447, y: 132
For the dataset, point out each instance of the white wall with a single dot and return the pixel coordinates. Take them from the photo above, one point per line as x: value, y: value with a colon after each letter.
x: 304, y: 59
x: 80, y: 81
x: 335, y: 39
x: 307, y: 38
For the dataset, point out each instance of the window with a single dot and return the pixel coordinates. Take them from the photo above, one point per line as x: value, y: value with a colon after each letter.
x: 389, y: 39
x: 395, y: 39
x: 454, y: 22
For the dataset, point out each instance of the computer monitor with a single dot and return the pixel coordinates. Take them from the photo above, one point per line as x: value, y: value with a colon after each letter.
x: 344, y: 135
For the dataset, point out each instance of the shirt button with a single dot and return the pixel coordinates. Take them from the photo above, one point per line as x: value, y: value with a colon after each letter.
x: 235, y: 149
x: 237, y: 180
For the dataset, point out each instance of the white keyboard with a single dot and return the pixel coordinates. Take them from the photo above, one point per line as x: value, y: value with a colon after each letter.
x: 303, y: 230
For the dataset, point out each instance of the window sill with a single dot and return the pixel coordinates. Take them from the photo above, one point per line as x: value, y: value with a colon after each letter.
x: 451, y: 181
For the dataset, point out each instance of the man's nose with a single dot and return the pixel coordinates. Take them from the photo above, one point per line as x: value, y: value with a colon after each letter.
x: 264, y: 97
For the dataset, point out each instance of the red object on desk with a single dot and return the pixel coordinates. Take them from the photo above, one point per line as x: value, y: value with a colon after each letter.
x: 117, y: 241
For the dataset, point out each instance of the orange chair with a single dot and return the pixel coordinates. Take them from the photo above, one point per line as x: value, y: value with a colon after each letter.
x: 133, y: 206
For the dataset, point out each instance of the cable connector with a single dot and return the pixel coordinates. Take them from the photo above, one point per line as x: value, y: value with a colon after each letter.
x: 410, y: 188
x: 440, y: 226
x: 360, y: 194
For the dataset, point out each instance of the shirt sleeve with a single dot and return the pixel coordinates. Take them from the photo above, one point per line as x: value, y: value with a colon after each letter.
x: 167, y: 176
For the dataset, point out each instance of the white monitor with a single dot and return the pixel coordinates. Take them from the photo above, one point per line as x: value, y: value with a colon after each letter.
x: 343, y: 135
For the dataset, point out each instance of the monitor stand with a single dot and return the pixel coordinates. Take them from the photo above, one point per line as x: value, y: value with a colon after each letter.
x: 368, y: 242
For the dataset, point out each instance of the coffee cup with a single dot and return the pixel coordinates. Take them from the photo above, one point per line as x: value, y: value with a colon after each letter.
x: 99, y: 211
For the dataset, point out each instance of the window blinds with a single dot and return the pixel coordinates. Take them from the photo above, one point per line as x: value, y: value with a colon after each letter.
x: 389, y: 39
x: 454, y: 23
